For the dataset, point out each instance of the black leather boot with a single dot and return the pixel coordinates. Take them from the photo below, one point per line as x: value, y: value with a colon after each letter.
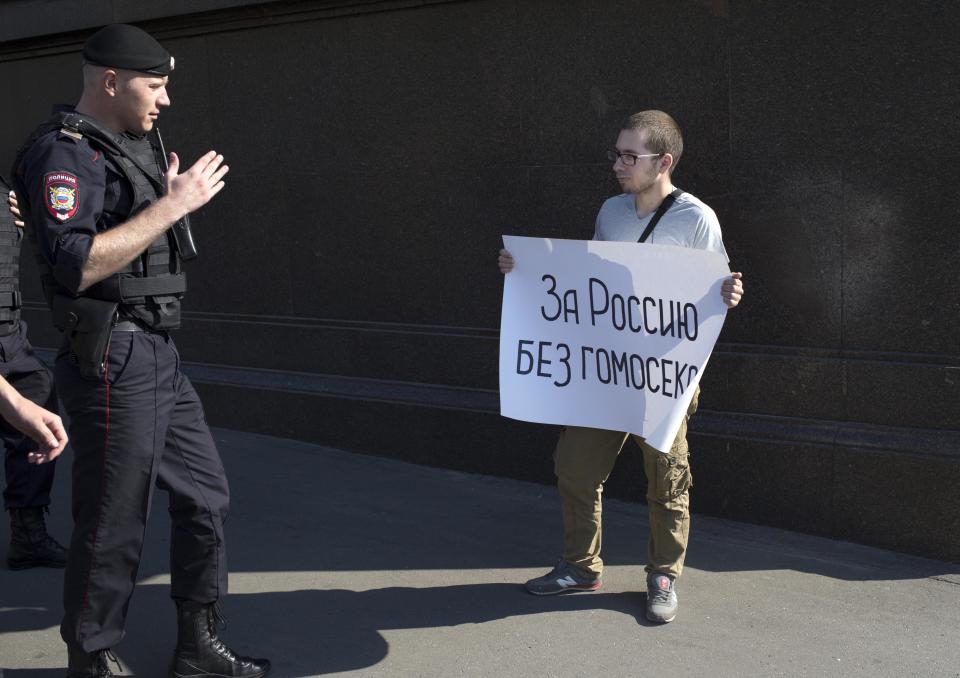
x: 201, y: 654
x: 90, y: 664
x: 30, y: 545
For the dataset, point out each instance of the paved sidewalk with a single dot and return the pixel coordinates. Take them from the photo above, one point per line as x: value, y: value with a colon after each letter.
x: 345, y: 564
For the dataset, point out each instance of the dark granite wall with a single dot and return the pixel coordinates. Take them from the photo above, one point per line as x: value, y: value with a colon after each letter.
x: 347, y: 292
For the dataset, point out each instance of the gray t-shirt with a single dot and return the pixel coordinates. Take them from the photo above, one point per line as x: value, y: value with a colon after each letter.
x: 688, y: 223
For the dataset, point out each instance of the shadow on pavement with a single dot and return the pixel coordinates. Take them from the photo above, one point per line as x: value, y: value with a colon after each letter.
x: 300, y: 508
x: 315, y: 632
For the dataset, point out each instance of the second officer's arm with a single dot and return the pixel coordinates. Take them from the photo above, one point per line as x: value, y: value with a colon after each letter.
x: 27, y: 417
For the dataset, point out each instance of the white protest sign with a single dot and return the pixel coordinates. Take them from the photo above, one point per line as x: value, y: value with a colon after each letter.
x: 608, y: 335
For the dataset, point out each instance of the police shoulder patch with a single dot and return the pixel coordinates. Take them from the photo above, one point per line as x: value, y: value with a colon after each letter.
x: 63, y: 194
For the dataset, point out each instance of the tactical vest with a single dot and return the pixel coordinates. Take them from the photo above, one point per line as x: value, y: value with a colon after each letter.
x: 150, y: 287
x: 9, y: 267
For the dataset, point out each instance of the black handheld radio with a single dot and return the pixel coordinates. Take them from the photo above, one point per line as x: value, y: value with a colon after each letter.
x: 181, y: 230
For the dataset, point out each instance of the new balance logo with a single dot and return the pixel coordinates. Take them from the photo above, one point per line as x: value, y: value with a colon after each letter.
x: 561, y: 579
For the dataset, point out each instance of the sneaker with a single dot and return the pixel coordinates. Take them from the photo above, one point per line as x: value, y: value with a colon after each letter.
x: 562, y: 579
x: 661, y: 598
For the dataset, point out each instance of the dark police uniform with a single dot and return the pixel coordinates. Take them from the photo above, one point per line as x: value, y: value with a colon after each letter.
x: 28, y: 485
x: 139, y: 423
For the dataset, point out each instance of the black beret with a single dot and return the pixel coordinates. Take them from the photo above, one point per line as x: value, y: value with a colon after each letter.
x: 127, y: 47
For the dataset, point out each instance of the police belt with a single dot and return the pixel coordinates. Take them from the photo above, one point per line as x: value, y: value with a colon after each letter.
x: 125, y: 289
x: 132, y: 326
x: 11, y: 300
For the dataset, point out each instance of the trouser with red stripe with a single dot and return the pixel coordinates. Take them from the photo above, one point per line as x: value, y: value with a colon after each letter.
x: 139, y: 427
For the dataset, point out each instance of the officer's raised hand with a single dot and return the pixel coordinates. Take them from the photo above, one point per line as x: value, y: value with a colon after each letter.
x: 116, y: 247
x: 196, y: 187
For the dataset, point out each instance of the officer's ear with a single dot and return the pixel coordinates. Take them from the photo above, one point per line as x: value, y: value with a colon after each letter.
x: 111, y: 82
x: 98, y: 80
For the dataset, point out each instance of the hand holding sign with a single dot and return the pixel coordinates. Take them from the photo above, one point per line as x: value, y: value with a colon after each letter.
x: 505, y: 262
x: 732, y: 290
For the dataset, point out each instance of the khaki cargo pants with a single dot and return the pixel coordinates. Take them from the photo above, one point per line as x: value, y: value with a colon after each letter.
x: 583, y: 461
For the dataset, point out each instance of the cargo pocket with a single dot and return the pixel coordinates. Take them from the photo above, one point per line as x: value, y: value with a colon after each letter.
x: 673, y: 474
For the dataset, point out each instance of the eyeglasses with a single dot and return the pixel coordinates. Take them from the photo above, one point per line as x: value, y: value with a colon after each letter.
x: 629, y: 159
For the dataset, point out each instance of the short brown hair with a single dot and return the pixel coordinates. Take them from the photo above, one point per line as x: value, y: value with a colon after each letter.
x: 663, y: 133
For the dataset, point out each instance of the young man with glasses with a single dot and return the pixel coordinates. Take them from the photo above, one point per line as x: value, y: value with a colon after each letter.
x: 647, y: 151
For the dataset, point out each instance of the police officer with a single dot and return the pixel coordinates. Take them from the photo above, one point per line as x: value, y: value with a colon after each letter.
x: 105, y: 218
x: 27, y: 494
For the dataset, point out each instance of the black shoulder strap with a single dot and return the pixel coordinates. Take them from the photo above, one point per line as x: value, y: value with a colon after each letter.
x: 91, y: 130
x: 664, y: 206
